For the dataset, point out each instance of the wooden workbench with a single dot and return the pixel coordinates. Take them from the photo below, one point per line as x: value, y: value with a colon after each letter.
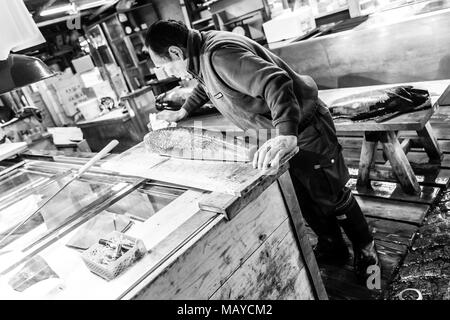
x: 395, y: 152
x: 386, y: 133
x: 201, y: 245
x: 256, y: 247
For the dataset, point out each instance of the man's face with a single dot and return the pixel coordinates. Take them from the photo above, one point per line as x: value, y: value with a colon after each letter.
x: 174, y: 64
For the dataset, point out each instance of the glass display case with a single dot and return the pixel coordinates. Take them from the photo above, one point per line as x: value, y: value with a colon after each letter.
x: 48, y: 247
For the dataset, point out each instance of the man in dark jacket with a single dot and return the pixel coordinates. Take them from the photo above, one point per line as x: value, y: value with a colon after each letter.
x: 255, y: 89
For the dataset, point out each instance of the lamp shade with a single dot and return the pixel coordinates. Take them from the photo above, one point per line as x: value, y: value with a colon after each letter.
x: 19, y: 31
x: 20, y: 70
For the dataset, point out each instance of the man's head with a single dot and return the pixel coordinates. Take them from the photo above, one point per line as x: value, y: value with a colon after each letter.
x: 167, y: 42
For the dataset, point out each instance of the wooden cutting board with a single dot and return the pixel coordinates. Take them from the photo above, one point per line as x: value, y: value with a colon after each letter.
x: 8, y: 150
x: 224, y: 177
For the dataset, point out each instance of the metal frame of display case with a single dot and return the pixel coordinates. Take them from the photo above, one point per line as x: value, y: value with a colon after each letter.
x: 161, y: 195
x: 56, y: 172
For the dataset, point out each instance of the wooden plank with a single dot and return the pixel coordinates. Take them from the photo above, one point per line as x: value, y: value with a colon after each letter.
x: 347, y: 133
x: 366, y: 159
x: 393, y: 209
x: 276, y: 266
x: 406, y: 145
x: 356, y: 143
x: 400, y: 164
x: 444, y: 100
x: 169, y: 250
x: 432, y: 173
x: 231, y: 205
x: 341, y: 282
x: 438, y: 178
x: 7, y: 150
x: 341, y: 286
x: 155, y: 229
x: 430, y: 144
x: 409, y: 121
x: 442, y: 115
x: 351, y: 142
x: 392, y: 239
x: 218, y: 202
x: 444, y: 145
x: 226, y: 177
x: 133, y: 162
x: 421, y: 158
x: 440, y: 132
x: 392, y: 231
x: 390, y: 255
x: 298, y: 224
x: 392, y: 190
x: 383, y: 229
x: 222, y: 250
x: 354, y: 155
x: 234, y: 178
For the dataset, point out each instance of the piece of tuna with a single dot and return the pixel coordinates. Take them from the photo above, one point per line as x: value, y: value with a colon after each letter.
x: 197, y: 144
x: 379, y: 103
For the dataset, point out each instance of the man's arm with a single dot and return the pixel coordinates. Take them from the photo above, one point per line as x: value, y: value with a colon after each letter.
x: 197, y: 99
x: 251, y: 75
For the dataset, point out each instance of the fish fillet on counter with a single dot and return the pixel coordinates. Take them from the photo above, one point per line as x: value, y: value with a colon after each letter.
x: 197, y: 144
x: 377, y: 103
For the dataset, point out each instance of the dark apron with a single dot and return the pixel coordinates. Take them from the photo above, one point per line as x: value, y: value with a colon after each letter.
x: 320, y: 166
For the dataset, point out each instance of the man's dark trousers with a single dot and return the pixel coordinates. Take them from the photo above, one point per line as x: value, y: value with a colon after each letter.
x: 319, y: 176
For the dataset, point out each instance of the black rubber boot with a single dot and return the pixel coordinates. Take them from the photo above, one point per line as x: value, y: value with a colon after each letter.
x: 331, y: 247
x: 355, y: 226
x: 364, y: 258
x: 332, y: 251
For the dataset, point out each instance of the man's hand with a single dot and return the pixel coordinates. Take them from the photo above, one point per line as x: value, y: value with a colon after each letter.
x: 268, y: 157
x: 172, y: 116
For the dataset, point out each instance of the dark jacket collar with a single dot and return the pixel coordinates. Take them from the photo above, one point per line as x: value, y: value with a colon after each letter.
x: 194, y: 48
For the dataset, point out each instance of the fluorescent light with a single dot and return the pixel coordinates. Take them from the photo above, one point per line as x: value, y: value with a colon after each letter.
x: 54, y: 10
x: 94, y: 4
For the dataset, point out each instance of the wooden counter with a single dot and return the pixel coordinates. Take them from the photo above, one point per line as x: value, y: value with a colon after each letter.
x: 252, y: 243
x: 201, y: 245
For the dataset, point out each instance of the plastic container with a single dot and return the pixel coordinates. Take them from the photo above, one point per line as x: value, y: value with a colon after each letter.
x: 94, y: 257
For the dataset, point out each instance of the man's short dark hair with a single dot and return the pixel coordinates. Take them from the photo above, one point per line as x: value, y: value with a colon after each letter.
x: 165, y: 33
